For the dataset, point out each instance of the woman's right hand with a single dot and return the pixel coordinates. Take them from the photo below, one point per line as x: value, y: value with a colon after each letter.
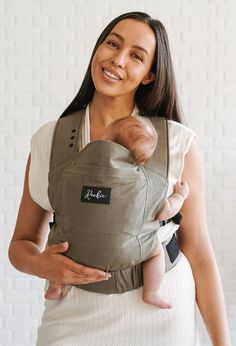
x: 52, y: 265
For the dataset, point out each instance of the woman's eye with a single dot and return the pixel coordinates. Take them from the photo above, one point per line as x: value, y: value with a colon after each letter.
x: 112, y: 44
x: 138, y: 57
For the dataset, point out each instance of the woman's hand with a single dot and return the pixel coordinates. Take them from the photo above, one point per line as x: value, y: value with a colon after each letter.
x: 53, y: 266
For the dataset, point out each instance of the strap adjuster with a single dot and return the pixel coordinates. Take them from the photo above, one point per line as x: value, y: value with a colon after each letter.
x: 176, y: 219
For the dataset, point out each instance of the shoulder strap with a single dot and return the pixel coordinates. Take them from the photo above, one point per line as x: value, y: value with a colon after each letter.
x: 160, y: 159
x: 66, y: 138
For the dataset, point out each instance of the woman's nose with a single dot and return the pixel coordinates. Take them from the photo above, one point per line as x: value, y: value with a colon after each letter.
x: 119, y: 60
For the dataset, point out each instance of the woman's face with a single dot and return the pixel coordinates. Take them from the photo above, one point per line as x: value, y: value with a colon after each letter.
x: 124, y: 59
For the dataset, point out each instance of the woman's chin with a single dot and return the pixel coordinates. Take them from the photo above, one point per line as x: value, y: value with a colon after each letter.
x: 107, y: 92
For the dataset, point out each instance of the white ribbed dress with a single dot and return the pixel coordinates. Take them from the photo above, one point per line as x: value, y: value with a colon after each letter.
x: 86, y: 318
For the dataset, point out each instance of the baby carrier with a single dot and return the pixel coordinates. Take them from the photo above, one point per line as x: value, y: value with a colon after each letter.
x: 105, y: 204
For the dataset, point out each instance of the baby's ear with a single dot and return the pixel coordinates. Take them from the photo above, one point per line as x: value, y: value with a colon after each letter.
x: 150, y: 77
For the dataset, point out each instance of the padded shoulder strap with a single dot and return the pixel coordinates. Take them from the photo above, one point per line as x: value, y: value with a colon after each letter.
x: 160, y: 159
x: 66, y: 138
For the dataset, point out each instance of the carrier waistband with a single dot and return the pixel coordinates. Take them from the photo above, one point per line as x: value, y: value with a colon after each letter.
x: 131, y: 278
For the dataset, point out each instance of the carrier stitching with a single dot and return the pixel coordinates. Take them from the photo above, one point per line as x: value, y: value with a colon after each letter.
x: 144, y: 213
x: 53, y: 147
x: 168, y: 150
x: 154, y: 171
x: 60, y: 194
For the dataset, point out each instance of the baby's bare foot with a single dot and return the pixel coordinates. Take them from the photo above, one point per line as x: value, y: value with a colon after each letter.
x: 154, y: 298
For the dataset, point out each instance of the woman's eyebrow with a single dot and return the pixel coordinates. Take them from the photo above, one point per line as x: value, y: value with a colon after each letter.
x: 122, y: 39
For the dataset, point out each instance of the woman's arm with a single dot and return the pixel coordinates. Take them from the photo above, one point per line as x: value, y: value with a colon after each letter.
x: 25, y: 250
x: 196, y: 245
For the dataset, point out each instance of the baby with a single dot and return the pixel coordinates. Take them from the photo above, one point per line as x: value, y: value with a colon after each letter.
x: 139, y: 136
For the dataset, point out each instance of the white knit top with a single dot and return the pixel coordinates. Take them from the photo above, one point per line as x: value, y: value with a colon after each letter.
x: 84, y: 318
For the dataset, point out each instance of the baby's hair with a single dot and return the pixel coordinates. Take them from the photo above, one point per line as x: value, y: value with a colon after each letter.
x: 137, y: 134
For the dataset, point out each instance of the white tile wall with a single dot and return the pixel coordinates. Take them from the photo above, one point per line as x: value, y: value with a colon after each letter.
x: 45, y: 48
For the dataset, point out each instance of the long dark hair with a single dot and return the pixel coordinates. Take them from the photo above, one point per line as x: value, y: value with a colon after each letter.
x: 159, y: 98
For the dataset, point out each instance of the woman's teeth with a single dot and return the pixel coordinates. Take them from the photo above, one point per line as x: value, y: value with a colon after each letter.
x: 111, y: 75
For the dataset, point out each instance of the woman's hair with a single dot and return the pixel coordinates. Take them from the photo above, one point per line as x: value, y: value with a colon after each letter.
x: 158, y: 98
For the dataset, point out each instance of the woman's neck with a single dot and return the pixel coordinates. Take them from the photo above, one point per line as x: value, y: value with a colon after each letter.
x: 103, y: 110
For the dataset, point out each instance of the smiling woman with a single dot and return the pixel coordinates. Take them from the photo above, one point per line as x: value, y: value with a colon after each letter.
x: 130, y: 73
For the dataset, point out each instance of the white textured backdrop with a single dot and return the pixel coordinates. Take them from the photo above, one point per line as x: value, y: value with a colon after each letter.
x: 45, y: 47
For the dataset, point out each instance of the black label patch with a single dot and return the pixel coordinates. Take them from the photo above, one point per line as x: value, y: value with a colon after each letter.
x: 173, y: 248
x: 93, y: 194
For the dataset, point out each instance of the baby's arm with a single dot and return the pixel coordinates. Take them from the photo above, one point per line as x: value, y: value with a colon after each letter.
x: 174, y: 203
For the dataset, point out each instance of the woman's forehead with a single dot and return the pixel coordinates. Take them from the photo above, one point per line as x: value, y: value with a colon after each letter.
x: 135, y: 32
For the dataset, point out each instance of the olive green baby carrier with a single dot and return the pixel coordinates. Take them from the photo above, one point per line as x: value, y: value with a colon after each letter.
x: 105, y: 204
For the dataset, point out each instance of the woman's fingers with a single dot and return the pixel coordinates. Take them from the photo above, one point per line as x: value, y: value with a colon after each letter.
x: 70, y: 269
x: 82, y: 281
x: 73, y: 279
x: 64, y: 270
x: 85, y: 271
x: 58, y: 248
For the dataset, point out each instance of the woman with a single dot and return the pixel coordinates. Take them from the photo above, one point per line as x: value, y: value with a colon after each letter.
x: 130, y: 71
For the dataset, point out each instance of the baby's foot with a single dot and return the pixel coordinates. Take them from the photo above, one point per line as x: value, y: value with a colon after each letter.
x: 154, y: 298
x: 54, y: 292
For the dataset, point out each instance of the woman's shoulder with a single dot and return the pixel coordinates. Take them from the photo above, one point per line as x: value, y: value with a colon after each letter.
x: 180, y: 139
x: 180, y: 136
x: 39, y: 164
x: 179, y: 128
x: 41, y: 141
x: 45, y: 131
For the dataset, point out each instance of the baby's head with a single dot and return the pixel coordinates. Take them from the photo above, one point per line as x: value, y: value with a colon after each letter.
x: 136, y: 134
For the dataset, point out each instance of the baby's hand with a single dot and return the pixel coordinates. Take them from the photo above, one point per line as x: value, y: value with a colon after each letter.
x: 182, y: 188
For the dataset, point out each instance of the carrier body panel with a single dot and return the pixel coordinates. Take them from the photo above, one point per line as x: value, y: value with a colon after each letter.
x: 105, y: 204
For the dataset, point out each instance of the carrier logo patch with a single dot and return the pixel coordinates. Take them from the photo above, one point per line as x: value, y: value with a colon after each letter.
x: 93, y: 194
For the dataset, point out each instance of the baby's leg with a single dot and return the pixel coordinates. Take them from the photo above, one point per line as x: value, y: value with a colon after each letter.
x: 153, y: 272
x: 54, y: 291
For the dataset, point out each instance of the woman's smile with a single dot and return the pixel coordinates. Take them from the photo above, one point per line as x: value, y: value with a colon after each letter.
x: 111, y: 75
